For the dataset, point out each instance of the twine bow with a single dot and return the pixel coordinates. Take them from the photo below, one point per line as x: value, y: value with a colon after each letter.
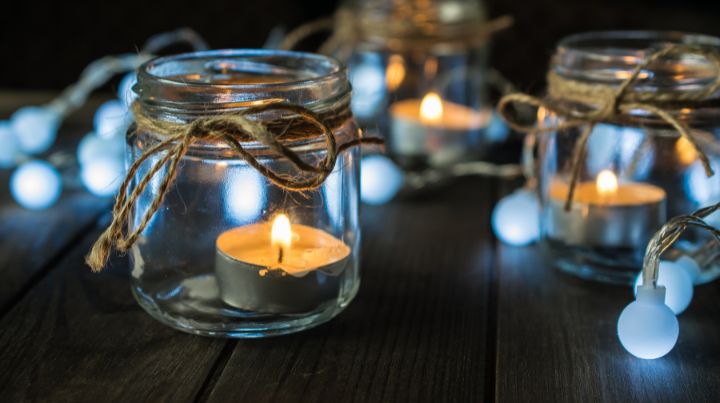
x: 230, y: 129
x: 602, y: 102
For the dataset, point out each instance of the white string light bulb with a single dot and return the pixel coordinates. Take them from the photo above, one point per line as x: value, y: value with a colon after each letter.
x: 102, y: 177
x: 111, y: 119
x: 647, y: 328
x: 516, y: 218
x: 678, y: 285
x: 690, y: 266
x: 35, y: 128
x: 93, y: 147
x: 368, y: 81
x: 35, y: 185
x: 10, y: 149
x: 380, y: 179
x: 244, y: 194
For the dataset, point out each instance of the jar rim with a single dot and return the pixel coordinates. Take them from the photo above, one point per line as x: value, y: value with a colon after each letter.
x: 575, y: 41
x: 336, y: 69
x: 214, y: 80
x: 181, y: 88
x: 611, y: 56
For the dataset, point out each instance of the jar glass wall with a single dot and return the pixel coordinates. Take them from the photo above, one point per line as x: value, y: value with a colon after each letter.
x: 418, y: 72
x: 214, y: 259
x: 637, y: 171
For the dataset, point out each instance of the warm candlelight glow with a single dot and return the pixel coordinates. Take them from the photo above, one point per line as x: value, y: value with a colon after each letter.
x: 281, y: 234
x: 431, y: 109
x: 685, y: 151
x: 395, y: 72
x: 606, y: 183
x: 624, y: 75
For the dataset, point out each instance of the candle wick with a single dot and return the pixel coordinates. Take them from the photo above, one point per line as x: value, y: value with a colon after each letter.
x: 280, y: 254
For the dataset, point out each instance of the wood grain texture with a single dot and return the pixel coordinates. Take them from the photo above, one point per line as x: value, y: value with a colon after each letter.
x: 557, y: 340
x: 443, y: 314
x: 79, y: 336
x: 32, y: 240
x: 415, y: 332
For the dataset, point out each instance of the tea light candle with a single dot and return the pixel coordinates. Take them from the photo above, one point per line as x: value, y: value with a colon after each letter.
x: 605, y: 213
x: 433, y: 127
x: 278, y: 267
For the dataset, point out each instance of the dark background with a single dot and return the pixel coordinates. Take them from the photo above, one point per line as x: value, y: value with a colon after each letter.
x: 46, y: 45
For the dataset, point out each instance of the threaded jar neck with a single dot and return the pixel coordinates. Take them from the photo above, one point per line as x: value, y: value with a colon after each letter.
x: 211, y: 82
x: 610, y: 57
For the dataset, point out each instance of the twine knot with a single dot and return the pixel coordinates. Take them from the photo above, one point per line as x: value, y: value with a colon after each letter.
x: 232, y: 129
x: 595, y: 103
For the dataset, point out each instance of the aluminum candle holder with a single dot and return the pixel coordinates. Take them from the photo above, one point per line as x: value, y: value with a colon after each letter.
x: 631, y: 168
x: 230, y: 252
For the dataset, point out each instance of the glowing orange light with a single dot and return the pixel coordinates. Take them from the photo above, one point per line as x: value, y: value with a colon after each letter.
x: 281, y: 234
x: 685, y: 151
x: 431, y: 109
x: 607, y: 183
x: 395, y: 73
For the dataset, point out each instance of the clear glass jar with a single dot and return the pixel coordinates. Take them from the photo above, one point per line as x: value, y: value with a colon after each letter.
x: 418, y: 70
x: 638, y: 172
x: 206, y: 262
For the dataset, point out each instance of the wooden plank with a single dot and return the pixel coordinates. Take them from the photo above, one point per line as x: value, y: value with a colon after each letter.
x: 557, y: 340
x: 31, y: 240
x: 79, y: 336
x: 417, y: 329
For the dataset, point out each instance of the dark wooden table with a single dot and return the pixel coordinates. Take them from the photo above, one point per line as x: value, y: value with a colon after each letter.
x: 444, y: 313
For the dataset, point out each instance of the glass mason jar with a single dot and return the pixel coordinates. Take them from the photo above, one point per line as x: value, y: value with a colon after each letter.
x: 229, y: 253
x: 418, y: 70
x: 637, y: 172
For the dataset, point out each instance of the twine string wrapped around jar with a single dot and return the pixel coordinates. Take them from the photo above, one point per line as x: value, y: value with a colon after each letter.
x: 596, y: 103
x: 232, y: 129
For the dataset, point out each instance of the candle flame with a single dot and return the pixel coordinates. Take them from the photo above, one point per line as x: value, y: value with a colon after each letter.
x: 281, y: 234
x: 606, y: 183
x: 431, y: 108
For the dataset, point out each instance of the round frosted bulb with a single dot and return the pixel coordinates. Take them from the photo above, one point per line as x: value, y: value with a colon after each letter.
x: 111, y: 119
x: 92, y: 147
x: 35, y: 185
x: 9, y: 147
x: 244, y: 193
x: 102, y: 177
x: 691, y: 267
x: 125, y: 92
x: 647, y: 328
x: 516, y: 218
x: 678, y: 284
x: 368, y: 81
x: 35, y: 128
x: 380, y: 179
